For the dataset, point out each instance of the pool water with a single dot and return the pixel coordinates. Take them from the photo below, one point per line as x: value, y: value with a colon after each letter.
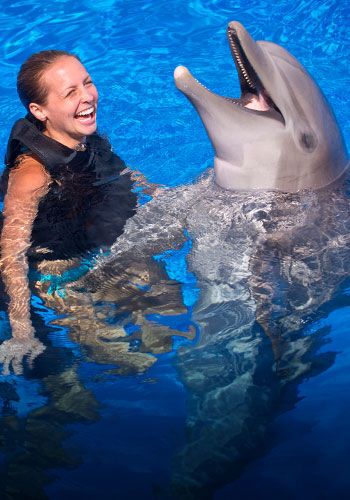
x: 157, y: 416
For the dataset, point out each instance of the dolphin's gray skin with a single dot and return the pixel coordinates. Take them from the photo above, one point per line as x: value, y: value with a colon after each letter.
x: 281, y: 134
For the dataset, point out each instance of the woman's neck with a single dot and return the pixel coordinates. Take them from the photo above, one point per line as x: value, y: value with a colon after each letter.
x: 70, y: 142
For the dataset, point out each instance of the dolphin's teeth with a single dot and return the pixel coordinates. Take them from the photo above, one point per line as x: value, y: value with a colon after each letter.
x: 236, y: 102
x: 240, y: 63
x: 201, y: 84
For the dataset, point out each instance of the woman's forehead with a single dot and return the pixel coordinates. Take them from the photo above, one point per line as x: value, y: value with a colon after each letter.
x: 65, y: 72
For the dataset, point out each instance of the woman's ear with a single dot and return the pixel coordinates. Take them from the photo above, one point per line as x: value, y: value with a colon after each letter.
x: 37, y: 111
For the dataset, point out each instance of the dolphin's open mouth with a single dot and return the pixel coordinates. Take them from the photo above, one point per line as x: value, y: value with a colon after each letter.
x: 254, y: 96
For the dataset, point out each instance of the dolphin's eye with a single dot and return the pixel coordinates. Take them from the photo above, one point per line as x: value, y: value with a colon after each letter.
x: 308, y: 141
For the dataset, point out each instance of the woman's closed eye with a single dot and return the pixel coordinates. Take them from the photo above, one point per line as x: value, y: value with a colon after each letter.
x: 71, y: 92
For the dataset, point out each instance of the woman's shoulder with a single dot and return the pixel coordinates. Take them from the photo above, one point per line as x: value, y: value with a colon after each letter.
x: 28, y: 174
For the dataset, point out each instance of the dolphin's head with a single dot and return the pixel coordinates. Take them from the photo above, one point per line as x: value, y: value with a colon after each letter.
x: 280, y: 134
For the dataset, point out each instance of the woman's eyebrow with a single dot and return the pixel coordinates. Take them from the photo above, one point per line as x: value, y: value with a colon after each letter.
x: 87, y: 77
x: 70, y: 87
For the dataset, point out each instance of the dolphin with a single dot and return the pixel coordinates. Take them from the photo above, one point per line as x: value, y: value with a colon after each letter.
x: 281, y: 134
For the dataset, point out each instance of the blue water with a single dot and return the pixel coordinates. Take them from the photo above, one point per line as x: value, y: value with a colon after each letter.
x: 79, y: 427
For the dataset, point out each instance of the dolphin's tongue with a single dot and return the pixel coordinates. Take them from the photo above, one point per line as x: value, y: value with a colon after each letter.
x: 257, y: 102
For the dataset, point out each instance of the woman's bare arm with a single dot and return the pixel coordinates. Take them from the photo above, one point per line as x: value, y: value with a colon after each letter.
x: 28, y: 183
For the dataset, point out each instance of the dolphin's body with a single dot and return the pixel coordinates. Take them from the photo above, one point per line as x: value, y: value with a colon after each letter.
x: 281, y: 134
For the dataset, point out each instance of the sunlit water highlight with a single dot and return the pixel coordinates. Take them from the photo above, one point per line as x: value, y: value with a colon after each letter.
x: 144, y: 398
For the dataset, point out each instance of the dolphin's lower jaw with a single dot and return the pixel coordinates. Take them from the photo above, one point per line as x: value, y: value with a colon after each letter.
x: 280, y: 134
x: 234, y: 178
x: 231, y: 177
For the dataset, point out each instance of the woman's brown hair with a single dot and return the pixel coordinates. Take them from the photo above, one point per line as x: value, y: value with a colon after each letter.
x: 30, y: 87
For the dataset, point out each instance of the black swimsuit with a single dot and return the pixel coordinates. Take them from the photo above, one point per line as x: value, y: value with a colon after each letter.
x: 89, y: 199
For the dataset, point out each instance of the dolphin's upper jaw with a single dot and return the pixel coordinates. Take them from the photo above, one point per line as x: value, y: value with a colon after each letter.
x: 253, y: 94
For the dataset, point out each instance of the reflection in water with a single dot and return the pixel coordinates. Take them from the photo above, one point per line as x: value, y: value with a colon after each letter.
x: 118, y: 322
x: 265, y: 269
x: 33, y: 422
x: 125, y: 323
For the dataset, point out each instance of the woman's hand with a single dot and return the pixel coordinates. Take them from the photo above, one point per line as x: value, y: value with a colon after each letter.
x: 14, y: 350
x: 147, y: 187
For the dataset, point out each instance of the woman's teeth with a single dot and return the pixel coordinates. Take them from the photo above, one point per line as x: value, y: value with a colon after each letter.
x: 86, y: 113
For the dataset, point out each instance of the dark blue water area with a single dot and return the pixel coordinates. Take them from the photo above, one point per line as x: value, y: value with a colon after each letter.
x: 128, y: 451
x: 156, y: 423
x: 310, y: 443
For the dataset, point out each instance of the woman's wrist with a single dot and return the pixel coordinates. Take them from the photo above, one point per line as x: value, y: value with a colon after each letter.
x: 21, y: 328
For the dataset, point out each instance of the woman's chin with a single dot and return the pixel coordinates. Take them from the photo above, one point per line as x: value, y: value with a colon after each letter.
x: 87, y: 127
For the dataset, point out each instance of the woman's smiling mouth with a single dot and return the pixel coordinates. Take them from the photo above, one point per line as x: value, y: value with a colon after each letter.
x: 87, y: 115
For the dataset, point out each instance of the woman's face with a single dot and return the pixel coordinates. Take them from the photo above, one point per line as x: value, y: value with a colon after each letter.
x: 69, y: 113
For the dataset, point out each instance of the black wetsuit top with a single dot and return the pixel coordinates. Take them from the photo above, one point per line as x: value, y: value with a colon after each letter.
x: 89, y: 199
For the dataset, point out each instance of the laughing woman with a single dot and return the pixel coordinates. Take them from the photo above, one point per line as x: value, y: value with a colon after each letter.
x: 66, y: 194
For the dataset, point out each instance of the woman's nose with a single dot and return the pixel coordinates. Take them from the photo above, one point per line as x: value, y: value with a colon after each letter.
x: 86, y: 94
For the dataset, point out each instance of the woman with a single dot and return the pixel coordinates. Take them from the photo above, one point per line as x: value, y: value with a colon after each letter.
x: 65, y: 193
